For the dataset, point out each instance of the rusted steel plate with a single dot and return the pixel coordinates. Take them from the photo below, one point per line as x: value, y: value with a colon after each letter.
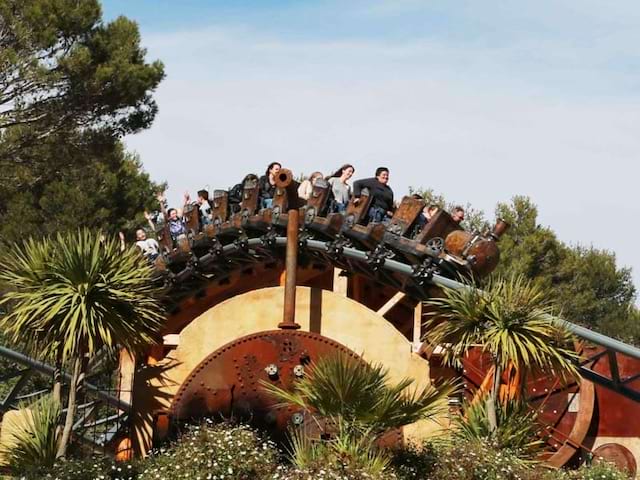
x: 614, y: 409
x: 228, y: 382
x: 619, y: 455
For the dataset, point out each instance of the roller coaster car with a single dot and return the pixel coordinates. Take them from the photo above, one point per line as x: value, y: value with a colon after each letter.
x: 219, y: 213
x: 363, y: 236
x: 314, y: 213
x: 429, y: 241
x: 248, y: 207
x: 478, y: 253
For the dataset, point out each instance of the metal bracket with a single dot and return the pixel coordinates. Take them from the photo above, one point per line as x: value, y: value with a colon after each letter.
x: 269, y: 239
x: 424, y: 272
x: 377, y: 257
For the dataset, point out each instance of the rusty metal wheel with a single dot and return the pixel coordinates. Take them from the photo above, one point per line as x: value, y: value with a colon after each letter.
x: 565, y: 408
x: 228, y: 382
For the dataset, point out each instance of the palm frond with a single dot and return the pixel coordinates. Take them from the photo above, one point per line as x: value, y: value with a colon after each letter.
x: 342, y: 387
x: 76, y: 293
x: 510, y: 318
x: 34, y: 442
x: 517, y: 429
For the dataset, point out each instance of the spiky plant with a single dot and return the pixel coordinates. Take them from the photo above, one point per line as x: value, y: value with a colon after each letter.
x: 510, y: 319
x: 517, y: 428
x: 32, y: 444
x: 348, y: 448
x: 354, y: 404
x: 73, y: 294
x: 339, y: 386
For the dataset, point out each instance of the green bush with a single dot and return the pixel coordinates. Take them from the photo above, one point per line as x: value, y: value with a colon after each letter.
x: 92, y: 468
x: 475, y: 460
x: 33, y: 445
x: 237, y: 452
x: 214, y: 451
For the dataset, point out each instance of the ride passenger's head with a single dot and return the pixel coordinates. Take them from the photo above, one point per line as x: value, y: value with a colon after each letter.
x: 344, y: 173
x: 273, y: 169
x: 315, y: 176
x: 203, y: 196
x: 382, y: 174
x: 173, y: 214
x: 141, y: 235
x: 458, y: 214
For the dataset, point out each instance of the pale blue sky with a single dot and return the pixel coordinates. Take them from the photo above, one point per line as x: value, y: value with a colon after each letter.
x: 478, y: 100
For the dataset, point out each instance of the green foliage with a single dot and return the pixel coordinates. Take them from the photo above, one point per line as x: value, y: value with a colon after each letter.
x: 474, y: 219
x: 474, y: 460
x: 517, y: 429
x: 509, y: 318
x: 63, y: 69
x: 349, y: 449
x: 340, y: 387
x: 237, y: 452
x: 92, y: 468
x: 353, y: 404
x: 213, y: 451
x: 584, y: 283
x: 73, y: 294
x: 79, y: 180
x: 33, y: 445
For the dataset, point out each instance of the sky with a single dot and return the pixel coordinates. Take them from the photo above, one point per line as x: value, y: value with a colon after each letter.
x: 480, y: 101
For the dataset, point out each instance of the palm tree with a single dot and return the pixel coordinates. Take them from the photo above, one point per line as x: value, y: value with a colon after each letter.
x: 355, y: 403
x: 73, y: 294
x: 510, y: 320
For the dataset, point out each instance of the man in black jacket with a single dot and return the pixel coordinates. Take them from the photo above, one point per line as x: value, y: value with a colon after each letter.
x: 381, y: 207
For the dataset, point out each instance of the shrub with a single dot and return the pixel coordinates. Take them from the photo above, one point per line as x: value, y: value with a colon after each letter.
x: 475, y: 460
x: 32, y: 446
x: 517, y: 428
x: 213, y: 451
x: 92, y: 468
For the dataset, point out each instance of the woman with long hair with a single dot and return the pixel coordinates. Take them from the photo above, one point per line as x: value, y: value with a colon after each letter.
x: 340, y: 188
x: 267, y: 184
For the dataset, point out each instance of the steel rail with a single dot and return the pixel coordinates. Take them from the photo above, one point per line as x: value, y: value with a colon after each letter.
x: 47, y: 370
x: 440, y: 281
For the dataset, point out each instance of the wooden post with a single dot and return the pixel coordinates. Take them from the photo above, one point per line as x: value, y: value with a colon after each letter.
x: 417, y: 328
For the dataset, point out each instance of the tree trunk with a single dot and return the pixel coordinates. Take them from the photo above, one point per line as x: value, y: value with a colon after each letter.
x: 56, y: 393
x: 77, y: 378
x: 492, y: 400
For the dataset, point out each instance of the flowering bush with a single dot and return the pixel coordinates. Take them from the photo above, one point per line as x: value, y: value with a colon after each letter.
x: 473, y: 460
x: 213, y: 451
x: 96, y: 468
x: 237, y: 452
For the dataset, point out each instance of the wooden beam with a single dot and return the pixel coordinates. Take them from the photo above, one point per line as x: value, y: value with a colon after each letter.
x: 417, y: 327
x: 393, y: 301
x: 340, y: 282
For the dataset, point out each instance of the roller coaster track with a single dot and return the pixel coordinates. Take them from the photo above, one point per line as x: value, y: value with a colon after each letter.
x: 206, y: 257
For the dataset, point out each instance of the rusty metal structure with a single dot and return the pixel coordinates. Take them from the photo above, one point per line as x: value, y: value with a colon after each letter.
x: 259, y: 294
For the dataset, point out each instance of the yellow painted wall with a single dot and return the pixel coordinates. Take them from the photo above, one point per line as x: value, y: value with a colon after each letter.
x: 332, y: 315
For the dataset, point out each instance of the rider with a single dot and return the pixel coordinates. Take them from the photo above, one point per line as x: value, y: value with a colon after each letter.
x: 267, y: 185
x: 381, y: 207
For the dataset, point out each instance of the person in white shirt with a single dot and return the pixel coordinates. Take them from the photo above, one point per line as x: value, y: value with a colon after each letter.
x: 306, y: 187
x: 340, y: 188
x: 149, y: 246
